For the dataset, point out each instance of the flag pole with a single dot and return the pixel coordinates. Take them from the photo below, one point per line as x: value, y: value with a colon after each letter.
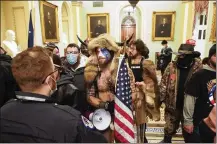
x: 119, y: 62
x: 33, y: 15
x: 30, y: 31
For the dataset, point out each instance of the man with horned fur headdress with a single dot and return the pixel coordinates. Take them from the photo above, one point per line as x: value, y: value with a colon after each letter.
x: 100, y: 75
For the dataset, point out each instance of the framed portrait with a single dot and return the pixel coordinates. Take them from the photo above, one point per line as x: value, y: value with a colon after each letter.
x: 97, y: 24
x: 163, y: 25
x: 49, y: 22
x: 213, y: 29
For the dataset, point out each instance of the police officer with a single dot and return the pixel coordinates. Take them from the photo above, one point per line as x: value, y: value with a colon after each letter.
x: 33, y: 116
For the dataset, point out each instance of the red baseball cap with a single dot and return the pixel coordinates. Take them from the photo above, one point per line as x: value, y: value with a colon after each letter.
x: 191, y: 42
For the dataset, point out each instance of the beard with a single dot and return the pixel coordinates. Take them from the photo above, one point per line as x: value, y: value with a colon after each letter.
x: 132, y: 56
x: 102, y: 61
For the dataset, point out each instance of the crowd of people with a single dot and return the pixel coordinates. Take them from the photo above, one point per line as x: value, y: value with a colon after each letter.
x: 48, y: 98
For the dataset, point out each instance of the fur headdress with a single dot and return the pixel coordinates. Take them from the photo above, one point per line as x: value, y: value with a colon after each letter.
x: 108, y: 37
x: 103, y: 41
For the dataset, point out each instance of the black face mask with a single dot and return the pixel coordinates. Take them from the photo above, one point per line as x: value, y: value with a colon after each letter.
x: 185, y: 62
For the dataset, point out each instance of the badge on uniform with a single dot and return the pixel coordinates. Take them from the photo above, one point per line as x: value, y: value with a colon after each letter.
x: 87, y: 123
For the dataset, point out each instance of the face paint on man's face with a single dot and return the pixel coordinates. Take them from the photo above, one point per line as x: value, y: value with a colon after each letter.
x: 105, y: 53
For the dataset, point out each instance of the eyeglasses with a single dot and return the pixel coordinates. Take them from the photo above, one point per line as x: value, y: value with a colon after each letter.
x: 72, y: 52
x: 57, y: 68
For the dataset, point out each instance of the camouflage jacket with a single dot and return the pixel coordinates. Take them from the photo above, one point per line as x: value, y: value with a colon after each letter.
x: 170, y: 80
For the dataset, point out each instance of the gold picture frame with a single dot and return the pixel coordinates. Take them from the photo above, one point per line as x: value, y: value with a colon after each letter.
x: 94, y: 29
x: 163, y: 25
x: 49, y: 22
x: 213, y: 29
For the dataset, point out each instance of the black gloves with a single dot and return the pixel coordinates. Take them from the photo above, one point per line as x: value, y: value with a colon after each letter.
x: 110, y: 106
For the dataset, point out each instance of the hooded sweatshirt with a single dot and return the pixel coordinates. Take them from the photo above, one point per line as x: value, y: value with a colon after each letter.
x: 197, y: 104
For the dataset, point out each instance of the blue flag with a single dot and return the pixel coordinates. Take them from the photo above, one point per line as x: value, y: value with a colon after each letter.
x: 31, y: 32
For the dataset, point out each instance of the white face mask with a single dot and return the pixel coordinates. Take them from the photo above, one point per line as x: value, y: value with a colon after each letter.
x: 52, y: 91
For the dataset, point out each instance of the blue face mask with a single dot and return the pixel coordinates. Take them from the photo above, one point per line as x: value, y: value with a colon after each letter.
x: 72, y: 58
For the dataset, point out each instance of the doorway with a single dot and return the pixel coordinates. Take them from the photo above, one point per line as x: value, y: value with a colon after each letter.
x: 128, y: 27
x: 200, y: 32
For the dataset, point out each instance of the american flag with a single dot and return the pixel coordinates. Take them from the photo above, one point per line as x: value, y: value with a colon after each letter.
x: 123, y: 121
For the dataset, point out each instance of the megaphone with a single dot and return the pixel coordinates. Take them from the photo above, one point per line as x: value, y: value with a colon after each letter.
x: 101, y: 119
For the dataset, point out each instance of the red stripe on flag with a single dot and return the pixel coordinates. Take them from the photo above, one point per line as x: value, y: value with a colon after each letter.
x: 120, y: 137
x: 213, y: 101
x: 124, y: 127
x: 123, y: 113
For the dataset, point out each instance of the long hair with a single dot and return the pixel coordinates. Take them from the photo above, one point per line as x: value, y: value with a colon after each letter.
x: 141, y: 48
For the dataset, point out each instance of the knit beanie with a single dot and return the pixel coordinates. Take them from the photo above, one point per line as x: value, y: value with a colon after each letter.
x: 212, y: 51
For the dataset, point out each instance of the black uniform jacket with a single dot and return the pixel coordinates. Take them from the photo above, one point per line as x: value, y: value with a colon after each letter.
x: 35, y: 118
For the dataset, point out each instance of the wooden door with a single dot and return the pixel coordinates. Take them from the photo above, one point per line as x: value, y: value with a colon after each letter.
x: 127, y: 31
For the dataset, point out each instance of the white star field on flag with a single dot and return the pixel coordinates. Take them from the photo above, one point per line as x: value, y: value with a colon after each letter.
x: 123, y: 121
x: 123, y: 87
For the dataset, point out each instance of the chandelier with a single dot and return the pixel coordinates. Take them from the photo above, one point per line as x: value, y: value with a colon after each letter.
x: 133, y: 3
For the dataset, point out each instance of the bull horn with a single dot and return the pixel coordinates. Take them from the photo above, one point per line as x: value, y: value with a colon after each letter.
x: 81, y: 41
x: 127, y: 42
x: 120, y: 44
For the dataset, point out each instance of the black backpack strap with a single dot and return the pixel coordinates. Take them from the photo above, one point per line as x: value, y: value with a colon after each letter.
x: 130, y: 62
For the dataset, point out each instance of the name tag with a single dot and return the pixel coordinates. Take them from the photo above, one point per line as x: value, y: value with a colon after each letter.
x: 135, y: 67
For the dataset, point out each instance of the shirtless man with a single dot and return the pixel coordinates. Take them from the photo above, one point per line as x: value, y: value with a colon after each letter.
x: 100, y: 76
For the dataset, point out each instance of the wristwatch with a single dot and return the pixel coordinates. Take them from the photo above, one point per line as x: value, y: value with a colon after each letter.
x: 106, y: 105
x: 103, y: 105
